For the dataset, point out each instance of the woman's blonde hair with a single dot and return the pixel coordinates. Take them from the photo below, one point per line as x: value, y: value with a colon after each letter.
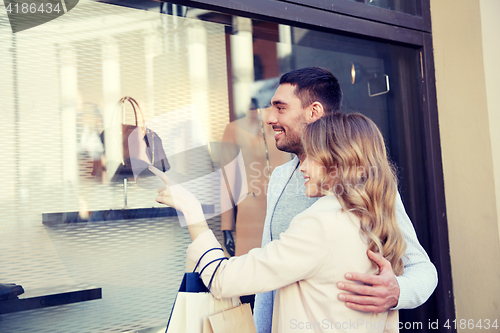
x: 352, y: 150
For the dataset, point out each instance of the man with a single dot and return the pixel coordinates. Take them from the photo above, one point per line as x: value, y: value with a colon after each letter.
x: 304, y: 96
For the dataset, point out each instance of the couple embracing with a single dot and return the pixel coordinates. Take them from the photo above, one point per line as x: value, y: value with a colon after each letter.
x: 343, y: 252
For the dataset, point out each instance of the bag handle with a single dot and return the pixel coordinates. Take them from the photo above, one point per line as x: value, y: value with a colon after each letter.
x: 216, y: 268
x: 134, y: 103
x: 210, y: 287
x: 222, y: 258
x: 199, y: 260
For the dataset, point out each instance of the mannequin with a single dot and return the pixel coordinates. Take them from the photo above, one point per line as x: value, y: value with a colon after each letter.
x: 255, y: 139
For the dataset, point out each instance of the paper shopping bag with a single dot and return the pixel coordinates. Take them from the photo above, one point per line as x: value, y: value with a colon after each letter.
x: 193, y: 303
x: 238, y: 319
x: 190, y: 309
x: 207, y: 328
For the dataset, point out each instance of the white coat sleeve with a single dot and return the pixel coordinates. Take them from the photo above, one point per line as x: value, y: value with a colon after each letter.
x: 297, y: 255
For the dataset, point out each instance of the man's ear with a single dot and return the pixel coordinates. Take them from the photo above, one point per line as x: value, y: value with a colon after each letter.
x: 316, y: 111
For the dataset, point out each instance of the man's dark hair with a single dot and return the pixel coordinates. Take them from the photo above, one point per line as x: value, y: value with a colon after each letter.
x: 315, y: 84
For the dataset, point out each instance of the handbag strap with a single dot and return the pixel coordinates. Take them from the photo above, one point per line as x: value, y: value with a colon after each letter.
x: 199, y: 260
x: 134, y: 103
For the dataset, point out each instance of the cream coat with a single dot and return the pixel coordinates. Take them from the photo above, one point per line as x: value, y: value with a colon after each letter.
x: 305, y: 264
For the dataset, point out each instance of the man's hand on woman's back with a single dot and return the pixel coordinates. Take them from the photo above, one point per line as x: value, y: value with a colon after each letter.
x: 379, y: 293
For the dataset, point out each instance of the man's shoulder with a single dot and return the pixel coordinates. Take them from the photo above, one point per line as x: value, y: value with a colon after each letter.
x: 279, y: 177
x: 285, y: 168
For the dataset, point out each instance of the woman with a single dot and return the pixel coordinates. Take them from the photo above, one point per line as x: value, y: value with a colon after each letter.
x: 347, y: 167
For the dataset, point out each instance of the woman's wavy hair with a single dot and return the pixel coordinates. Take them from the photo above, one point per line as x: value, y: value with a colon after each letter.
x: 352, y: 150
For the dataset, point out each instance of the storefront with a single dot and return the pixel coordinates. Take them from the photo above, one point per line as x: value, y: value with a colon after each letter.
x: 203, y: 73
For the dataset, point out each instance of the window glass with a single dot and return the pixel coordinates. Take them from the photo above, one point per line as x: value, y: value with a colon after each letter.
x: 404, y: 6
x: 75, y: 215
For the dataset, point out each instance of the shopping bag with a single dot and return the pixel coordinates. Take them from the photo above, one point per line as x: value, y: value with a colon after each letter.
x: 238, y: 319
x: 195, y: 302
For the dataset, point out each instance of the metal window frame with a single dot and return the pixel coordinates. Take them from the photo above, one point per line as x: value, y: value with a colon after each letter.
x: 421, y: 21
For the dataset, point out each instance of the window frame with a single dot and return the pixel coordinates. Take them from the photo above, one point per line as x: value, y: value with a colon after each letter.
x: 421, y: 21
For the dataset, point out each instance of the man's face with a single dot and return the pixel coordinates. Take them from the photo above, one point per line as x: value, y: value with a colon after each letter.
x: 287, y: 117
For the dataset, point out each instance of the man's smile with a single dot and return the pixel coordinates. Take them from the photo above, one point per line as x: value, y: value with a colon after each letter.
x: 278, y: 132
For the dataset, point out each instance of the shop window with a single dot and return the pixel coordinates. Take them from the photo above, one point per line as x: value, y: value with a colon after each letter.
x: 202, y: 79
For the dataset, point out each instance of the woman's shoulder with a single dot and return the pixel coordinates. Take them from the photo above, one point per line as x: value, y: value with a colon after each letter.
x: 325, y: 204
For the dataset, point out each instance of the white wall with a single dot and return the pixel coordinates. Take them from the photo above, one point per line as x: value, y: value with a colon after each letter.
x: 490, y: 23
x: 468, y: 120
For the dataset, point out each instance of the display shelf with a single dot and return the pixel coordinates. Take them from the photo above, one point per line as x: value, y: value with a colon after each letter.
x: 50, y: 296
x: 113, y: 214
